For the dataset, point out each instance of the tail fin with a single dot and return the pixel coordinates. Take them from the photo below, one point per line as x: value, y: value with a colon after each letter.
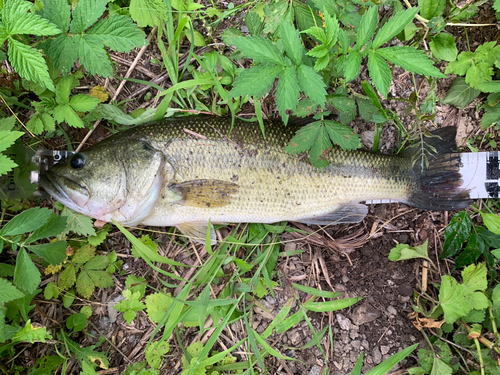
x: 438, y: 186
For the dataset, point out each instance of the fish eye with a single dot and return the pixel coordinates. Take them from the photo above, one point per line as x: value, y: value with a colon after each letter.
x: 78, y: 161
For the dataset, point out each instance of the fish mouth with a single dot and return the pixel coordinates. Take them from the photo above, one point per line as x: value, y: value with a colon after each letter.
x: 69, y: 192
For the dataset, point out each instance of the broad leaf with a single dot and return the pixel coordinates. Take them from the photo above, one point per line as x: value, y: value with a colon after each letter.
x: 26, y: 275
x: 443, y: 47
x: 411, y: 59
x: 379, y: 72
x: 58, y: 12
x: 394, y: 26
x: 342, y: 135
x: 148, y: 12
x: 492, y: 222
x: 256, y: 81
x: 7, y: 139
x: 311, y: 84
x: 64, y: 113
x: 17, y: 21
x: 53, y: 252
x: 78, y: 223
x: 63, y: 52
x: 8, y: 292
x: 86, y: 13
x: 452, y: 298
x: 118, y: 33
x: 461, y: 94
x: 431, y: 8
x: 259, y: 49
x: 83, y: 103
x: 367, y: 27
x: 29, y: 63
x: 26, y: 221
x: 456, y: 233
x: 54, y: 226
x: 475, y: 277
x: 93, y: 56
x: 287, y: 92
x: 292, y: 43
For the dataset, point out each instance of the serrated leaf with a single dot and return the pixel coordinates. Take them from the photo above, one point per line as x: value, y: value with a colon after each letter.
x: 352, y: 66
x: 318, y: 33
x: 287, y: 92
x: 63, y: 89
x: 405, y: 252
x: 462, y: 64
x: 322, y: 63
x: 367, y: 27
x: 83, y: 103
x: 83, y: 254
x: 342, y: 135
x: 78, y: 223
x: 6, y: 164
x: 253, y: 22
x: 332, y: 29
x: 304, y: 138
x: 7, y: 139
x: 461, y: 94
x: 58, y: 12
x: 98, y: 262
x: 475, y: 277
x: 8, y: 292
x: 319, y: 51
x: 93, y: 56
x: 379, y: 72
x: 155, y: 352
x: 101, y: 279
x: 64, y: 113
x: 67, y: 278
x: 456, y: 233
x: 256, y: 81
x: 86, y: 13
x: 118, y: 33
x: 259, y: 49
x: 292, y: 43
x: 412, y: 60
x: 84, y: 284
x: 443, y: 47
x: 452, y: 299
x: 431, y: 8
x: 478, y: 73
x: 27, y: 221
x: 99, y: 237
x: 53, y: 252
x: 20, y: 22
x: 311, y: 84
x: 394, y: 26
x: 148, y: 12
x: 29, y: 63
x: 63, y: 52
x: 35, y: 124
x: 26, y: 275
x: 54, y: 226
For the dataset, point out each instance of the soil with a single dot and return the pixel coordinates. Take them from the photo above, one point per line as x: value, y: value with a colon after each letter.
x: 350, y: 259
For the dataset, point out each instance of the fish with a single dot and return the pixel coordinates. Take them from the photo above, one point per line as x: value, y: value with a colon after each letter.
x: 194, y: 172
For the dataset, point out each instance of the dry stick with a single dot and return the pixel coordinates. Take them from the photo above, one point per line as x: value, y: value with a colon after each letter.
x: 120, y: 87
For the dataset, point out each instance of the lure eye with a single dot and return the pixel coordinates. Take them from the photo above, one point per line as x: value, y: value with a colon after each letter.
x: 77, y: 161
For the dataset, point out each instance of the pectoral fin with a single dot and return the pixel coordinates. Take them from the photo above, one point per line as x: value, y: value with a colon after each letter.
x: 205, y: 193
x: 346, y: 213
x: 197, y: 231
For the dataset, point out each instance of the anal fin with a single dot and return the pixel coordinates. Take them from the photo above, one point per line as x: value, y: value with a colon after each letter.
x: 345, y: 213
x: 205, y: 193
x: 197, y: 231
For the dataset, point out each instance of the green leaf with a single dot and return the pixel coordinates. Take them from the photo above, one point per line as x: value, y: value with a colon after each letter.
x: 86, y: 13
x: 29, y: 63
x: 394, y: 26
x: 8, y: 292
x: 332, y: 29
x: 367, y: 27
x: 26, y: 275
x: 84, y: 284
x: 352, y: 65
x: 118, y: 33
x: 98, y: 262
x: 6, y: 164
x: 452, y: 299
x: 259, y: 49
x: 67, y: 278
x: 431, y: 8
x: 157, y: 304
x: 253, y: 22
x: 405, y: 252
x: 256, y: 81
x: 287, y: 92
x: 83, y: 103
x: 63, y: 89
x: 78, y: 223
x: 76, y: 322
x: 155, y: 352
x: 99, y: 237
x: 93, y: 56
x: 443, y: 47
x: 492, y: 222
x: 461, y: 94
x: 475, y: 277
x: 54, y: 226
x: 26, y: 221
x: 31, y: 334
x: 58, y: 12
x: 342, y: 135
x: 456, y: 233
x: 148, y: 12
x: 68, y: 298
x: 292, y: 42
x: 101, y: 279
x: 379, y: 72
x: 17, y: 21
x: 53, y: 252
x: 64, y: 113
x: 411, y: 59
x: 316, y: 292
x: 386, y: 366
x: 7, y: 139
x: 473, y: 250
x: 63, y: 51
x: 83, y: 254
x: 478, y: 73
x: 331, y: 305
x: 311, y: 83
x: 270, y: 349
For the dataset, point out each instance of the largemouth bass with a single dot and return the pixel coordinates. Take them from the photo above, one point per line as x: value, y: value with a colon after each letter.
x: 190, y: 171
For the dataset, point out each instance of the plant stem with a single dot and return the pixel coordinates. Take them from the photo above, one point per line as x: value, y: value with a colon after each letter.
x: 480, y: 356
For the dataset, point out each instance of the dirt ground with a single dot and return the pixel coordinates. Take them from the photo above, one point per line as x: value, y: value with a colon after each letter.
x: 378, y: 326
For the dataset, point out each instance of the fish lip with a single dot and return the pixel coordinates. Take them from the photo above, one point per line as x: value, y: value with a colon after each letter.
x: 55, y: 189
